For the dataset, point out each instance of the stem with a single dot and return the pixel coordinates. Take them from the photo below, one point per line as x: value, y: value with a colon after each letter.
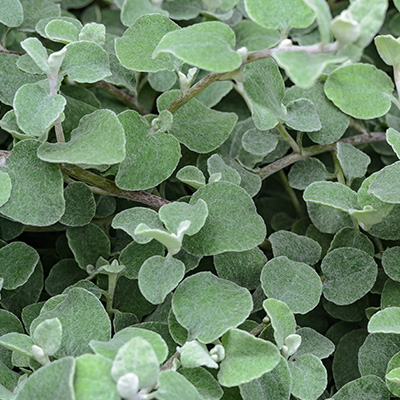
x: 53, y: 83
x: 128, y: 99
x: 292, y: 194
x: 170, y: 362
x: 338, y: 168
x: 396, y: 72
x: 287, y: 138
x: 112, y: 284
x: 111, y: 188
x: 258, y: 329
x: 290, y: 159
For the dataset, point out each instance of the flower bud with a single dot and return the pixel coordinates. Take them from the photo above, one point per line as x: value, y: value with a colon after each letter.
x: 345, y: 28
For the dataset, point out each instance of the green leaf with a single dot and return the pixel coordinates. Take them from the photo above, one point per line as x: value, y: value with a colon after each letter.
x: 42, y: 383
x: 265, y: 88
x: 75, y: 3
x: 129, y: 219
x: 385, y: 321
x: 390, y: 294
x: 93, y: 379
x: 205, y: 383
x: 273, y: 385
x: 354, y: 162
x: 61, y: 31
x: 173, y: 214
x: 135, y: 48
x: 11, y: 13
x: 295, y: 247
x: 332, y: 194
x: 41, y: 25
x: 207, y: 45
x: 360, y: 90
x: 137, y: 357
x: 314, y: 343
x: 88, y: 243
x: 259, y: 142
x: 79, y: 305
x: 327, y: 219
x: 390, y: 262
x: 151, y: 157
x: 48, y: 335
x: 173, y: 385
x: 208, y: 306
x: 38, y: 53
x: 309, y: 377
x: 385, y: 184
x: 393, y: 138
x: 282, y: 320
x: 324, y: 17
x: 349, y: 274
x: 133, y: 9
x: 368, y: 387
x: 194, y: 354
x: 284, y: 15
x: 17, y: 263
x: 5, y: 187
x: 171, y: 241
x: 247, y: 358
x: 224, y: 200
x: 254, y: 37
x: 305, y: 172
x: 86, y: 62
x: 302, y: 116
x: 26, y: 172
x: 389, y: 49
x: 397, y: 4
x: 243, y: 267
x: 295, y: 283
x: 18, y: 342
x: 35, y: 10
x: 216, y: 165
x: 158, y: 276
x: 191, y: 175
x: 36, y: 109
x: 110, y: 349
x: 350, y: 237
x: 196, y: 126
x: 93, y: 32
x: 80, y: 205
x: 99, y: 139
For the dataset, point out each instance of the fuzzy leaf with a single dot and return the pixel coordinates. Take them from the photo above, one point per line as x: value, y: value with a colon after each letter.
x: 389, y: 49
x: 385, y: 185
x: 259, y: 142
x: 390, y: 262
x: 48, y: 335
x: 208, y: 45
x: 216, y: 166
x: 191, y: 175
x: 11, y: 13
x: 99, y: 139
x: 360, y: 90
x: 302, y: 116
x: 133, y: 9
x: 194, y: 354
x: 18, y: 342
x: 312, y: 342
x: 38, y: 53
x: 307, y: 171
x: 368, y: 387
x: 61, y: 31
x: 354, y: 162
x: 173, y: 385
x: 208, y: 306
x: 93, y: 32
x: 385, y: 321
x: 393, y: 138
x: 35, y: 10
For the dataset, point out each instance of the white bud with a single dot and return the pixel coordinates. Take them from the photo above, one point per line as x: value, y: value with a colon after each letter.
x: 217, y: 353
x: 243, y: 53
x: 292, y: 343
x: 345, y: 28
x: 128, y: 386
x: 286, y: 43
x: 39, y: 355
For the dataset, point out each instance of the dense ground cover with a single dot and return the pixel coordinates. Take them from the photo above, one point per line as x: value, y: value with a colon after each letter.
x: 199, y: 199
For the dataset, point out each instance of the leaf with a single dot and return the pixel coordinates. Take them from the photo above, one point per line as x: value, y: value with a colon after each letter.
x: 79, y: 305
x: 18, y: 342
x: 133, y: 9
x: 80, y: 206
x: 332, y: 194
x: 385, y: 321
x: 191, y: 175
x: 349, y: 274
x: 282, y: 320
x: 208, y: 306
x: 273, y: 385
x: 137, y: 357
x: 158, y: 276
x: 129, y: 219
x: 33, y: 201
x: 243, y: 268
x: 254, y: 37
x: 295, y: 247
x: 99, y: 139
x: 307, y: 171
x: 110, y: 349
x: 247, y: 358
x: 35, y: 10
x: 314, y: 343
x: 354, y: 162
x: 309, y: 377
x: 61, y: 31
x: 42, y: 23
x: 86, y: 62
x: 40, y: 385
x: 224, y: 200
x: 93, y: 32
x: 384, y: 186
x: 324, y: 17
x: 217, y: 167
x: 173, y: 385
x: 259, y: 142
x: 207, y: 45
x: 171, y: 241
x: 202, y: 134
x: 265, y: 88
x: 350, y: 237
x: 194, y: 354
x: 360, y: 90
x: 151, y: 157
x: 11, y: 13
x: 36, y: 109
x: 370, y: 16
x: 284, y: 15
x: 135, y: 48
x: 205, y: 383
x: 38, y: 53
x: 368, y: 387
x: 17, y: 263
x: 293, y: 283
x: 393, y: 138
x: 327, y: 219
x: 88, y: 243
x: 389, y: 49
x: 93, y: 379
x: 5, y: 187
x: 390, y: 262
x: 302, y: 116
x: 48, y: 335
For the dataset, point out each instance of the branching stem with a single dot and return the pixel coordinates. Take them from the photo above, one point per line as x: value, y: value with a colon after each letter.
x: 287, y: 138
x: 289, y: 190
